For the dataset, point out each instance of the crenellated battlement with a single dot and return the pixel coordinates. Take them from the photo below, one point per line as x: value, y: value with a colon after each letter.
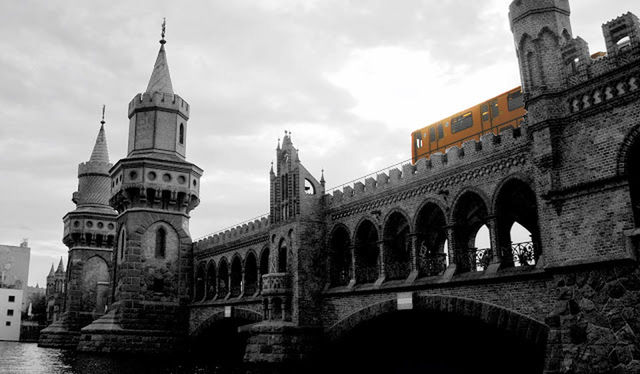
x: 521, y: 8
x: 93, y: 167
x: 239, y: 232
x: 172, y: 102
x: 436, y: 164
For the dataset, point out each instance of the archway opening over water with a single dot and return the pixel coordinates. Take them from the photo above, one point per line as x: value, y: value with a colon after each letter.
x: 430, y: 342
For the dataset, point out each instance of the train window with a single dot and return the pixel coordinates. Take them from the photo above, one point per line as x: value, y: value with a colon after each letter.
x: 485, y: 112
x: 495, y: 111
x: 515, y: 100
x: 440, y: 132
x: 418, y: 137
x: 432, y: 134
x: 461, y: 123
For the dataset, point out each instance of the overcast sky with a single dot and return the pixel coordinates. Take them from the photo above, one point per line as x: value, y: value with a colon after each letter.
x: 350, y: 78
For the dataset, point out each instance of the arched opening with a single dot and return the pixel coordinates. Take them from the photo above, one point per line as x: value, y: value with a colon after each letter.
x: 211, y: 280
x: 276, y: 309
x: 219, y: 346
x: 633, y: 173
x: 181, y: 137
x: 161, y: 242
x: 482, y: 245
x: 236, y: 277
x: 264, y: 264
x: 250, y: 275
x: 223, y: 278
x: 367, y: 253
x: 340, y: 257
x: 122, y: 243
x: 431, y: 241
x: 397, y: 247
x: 516, y: 203
x: 199, y: 284
x: 420, y: 341
x: 282, y: 257
x: 470, y: 214
x: 95, y: 278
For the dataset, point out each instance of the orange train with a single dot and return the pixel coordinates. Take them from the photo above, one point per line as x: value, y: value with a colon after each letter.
x: 494, y: 115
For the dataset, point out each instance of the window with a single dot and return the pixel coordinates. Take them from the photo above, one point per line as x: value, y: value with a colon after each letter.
x: 158, y: 285
x: 418, y: 137
x: 161, y: 242
x: 181, y: 137
x: 12, y: 299
x: 495, y: 111
x: 515, y: 100
x: 8, y: 323
x: 440, y: 132
x: 9, y: 312
x: 485, y: 112
x: 462, y: 122
x: 432, y: 134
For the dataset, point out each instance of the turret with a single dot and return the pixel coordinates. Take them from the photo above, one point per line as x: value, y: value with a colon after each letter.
x: 294, y: 190
x: 540, y: 29
x: 92, y: 223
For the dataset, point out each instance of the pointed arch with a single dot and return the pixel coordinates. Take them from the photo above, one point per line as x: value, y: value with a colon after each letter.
x: 264, y: 264
x: 469, y: 214
x: 223, y: 278
x: 366, y: 252
x: 340, y: 258
x: 250, y: 274
x: 200, y: 283
x: 236, y: 276
x: 629, y: 168
x: 161, y: 242
x: 210, y: 282
x: 397, y: 246
x: 431, y: 236
x: 283, y: 264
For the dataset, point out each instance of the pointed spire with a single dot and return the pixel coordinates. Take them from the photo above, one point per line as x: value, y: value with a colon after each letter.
x: 160, y: 78
x: 322, y: 178
x: 60, y: 266
x: 287, y: 138
x: 278, y: 144
x: 271, y: 168
x: 100, y: 152
x: 51, y: 271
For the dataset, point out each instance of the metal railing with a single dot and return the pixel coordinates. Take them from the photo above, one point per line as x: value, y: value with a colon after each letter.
x: 474, y: 259
x: 432, y: 264
x: 523, y: 254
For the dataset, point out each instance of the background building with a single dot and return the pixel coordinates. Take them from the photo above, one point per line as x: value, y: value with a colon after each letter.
x: 14, y: 274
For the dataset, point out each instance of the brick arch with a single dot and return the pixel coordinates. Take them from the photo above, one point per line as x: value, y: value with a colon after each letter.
x: 400, y: 211
x: 429, y: 200
x: 366, y: 217
x: 625, y: 148
x: 236, y: 313
x: 454, y: 202
x: 339, y: 225
x: 519, y: 176
x: 493, y: 315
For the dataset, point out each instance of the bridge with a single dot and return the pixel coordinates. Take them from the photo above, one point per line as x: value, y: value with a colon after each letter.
x: 323, y: 269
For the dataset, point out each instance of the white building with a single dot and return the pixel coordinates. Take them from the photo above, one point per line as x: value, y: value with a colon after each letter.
x: 10, y: 313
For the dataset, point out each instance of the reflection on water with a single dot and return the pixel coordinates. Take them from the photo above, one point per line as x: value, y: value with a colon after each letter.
x: 28, y: 358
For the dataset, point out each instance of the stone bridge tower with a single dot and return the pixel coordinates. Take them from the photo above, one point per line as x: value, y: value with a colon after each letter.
x: 290, y: 291
x: 153, y: 189
x: 89, y: 232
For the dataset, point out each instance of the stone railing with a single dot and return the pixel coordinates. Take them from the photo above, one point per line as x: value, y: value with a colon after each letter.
x: 276, y: 284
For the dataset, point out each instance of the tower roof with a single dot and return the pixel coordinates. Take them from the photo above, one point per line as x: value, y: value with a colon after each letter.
x: 51, y: 271
x: 160, y: 80
x: 60, y: 266
x: 100, y: 152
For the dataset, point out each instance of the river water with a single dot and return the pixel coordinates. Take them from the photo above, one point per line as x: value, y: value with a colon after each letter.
x: 28, y: 358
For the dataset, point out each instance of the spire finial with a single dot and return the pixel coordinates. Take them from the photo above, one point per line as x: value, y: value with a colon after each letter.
x: 102, y: 121
x: 164, y: 28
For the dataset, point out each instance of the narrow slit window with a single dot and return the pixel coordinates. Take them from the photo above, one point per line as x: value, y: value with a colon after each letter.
x: 161, y: 242
x: 181, y: 137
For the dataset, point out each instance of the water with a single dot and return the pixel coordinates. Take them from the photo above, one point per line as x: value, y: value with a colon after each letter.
x: 28, y: 358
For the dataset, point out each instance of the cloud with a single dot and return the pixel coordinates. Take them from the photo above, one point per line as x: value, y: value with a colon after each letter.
x: 349, y: 78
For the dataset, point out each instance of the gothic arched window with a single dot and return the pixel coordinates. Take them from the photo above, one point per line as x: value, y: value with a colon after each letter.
x: 161, y: 242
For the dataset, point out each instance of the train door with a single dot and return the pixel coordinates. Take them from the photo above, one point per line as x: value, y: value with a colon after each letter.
x: 489, y: 112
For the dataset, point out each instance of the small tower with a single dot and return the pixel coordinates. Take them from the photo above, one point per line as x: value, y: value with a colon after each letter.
x: 540, y: 29
x: 89, y: 233
x: 153, y: 189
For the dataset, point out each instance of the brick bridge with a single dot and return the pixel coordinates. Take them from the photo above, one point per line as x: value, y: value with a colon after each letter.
x: 320, y: 265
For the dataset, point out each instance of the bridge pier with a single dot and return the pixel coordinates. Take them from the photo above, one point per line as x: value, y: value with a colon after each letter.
x: 272, y: 342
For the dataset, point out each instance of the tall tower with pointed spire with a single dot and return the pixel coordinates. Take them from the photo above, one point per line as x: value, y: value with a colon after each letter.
x: 153, y: 189
x: 89, y: 233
